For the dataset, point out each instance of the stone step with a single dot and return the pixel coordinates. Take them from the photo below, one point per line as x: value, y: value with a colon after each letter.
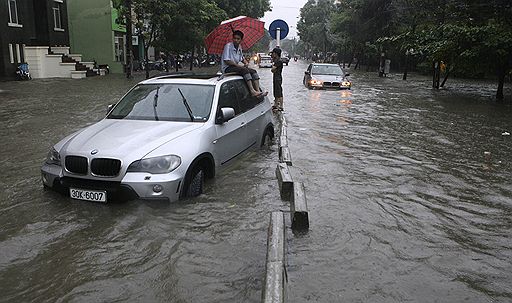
x: 78, y: 74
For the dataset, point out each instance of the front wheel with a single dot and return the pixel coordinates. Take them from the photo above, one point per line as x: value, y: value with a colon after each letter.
x: 195, y: 182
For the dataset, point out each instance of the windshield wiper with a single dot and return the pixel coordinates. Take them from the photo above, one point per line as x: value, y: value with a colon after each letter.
x: 187, y: 106
x: 155, y: 103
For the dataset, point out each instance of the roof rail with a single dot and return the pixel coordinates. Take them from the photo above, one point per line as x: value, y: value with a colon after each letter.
x: 223, y: 75
x: 184, y: 75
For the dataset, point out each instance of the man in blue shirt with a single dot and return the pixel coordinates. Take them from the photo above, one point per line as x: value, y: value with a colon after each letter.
x: 233, y: 61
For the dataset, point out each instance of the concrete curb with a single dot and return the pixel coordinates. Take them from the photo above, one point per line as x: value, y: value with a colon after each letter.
x: 285, y: 181
x: 299, y: 208
x: 285, y: 156
x: 274, y: 289
x: 283, y: 142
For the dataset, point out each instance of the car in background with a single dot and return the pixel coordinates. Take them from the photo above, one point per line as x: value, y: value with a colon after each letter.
x: 265, y: 61
x: 325, y: 75
x: 161, y: 140
x: 285, y: 58
x: 257, y: 58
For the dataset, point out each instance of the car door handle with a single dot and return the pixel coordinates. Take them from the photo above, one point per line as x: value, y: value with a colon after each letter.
x: 242, y: 123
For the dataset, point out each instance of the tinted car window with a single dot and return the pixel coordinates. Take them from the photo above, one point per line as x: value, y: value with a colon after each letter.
x: 228, y: 97
x: 247, y: 101
x: 164, y: 102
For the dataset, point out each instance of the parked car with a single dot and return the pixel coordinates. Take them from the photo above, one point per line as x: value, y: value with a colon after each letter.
x: 324, y: 75
x: 265, y: 61
x: 161, y: 140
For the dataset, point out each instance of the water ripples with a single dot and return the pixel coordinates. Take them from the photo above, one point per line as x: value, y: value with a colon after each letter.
x: 404, y: 204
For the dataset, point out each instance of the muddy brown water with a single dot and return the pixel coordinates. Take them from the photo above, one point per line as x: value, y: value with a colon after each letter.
x: 404, y: 205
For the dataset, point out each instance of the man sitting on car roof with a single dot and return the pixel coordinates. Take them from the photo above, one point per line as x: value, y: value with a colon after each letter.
x: 233, y: 61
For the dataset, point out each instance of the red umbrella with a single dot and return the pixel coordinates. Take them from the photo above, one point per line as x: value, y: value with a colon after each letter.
x: 253, y: 31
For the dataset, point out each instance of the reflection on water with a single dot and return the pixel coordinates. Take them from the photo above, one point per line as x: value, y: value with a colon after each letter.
x: 405, y: 206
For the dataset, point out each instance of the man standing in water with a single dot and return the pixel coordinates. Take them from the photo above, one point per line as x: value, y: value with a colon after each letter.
x: 233, y: 61
x: 277, y: 70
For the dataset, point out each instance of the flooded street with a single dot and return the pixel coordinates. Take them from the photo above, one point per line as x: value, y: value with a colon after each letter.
x: 404, y: 205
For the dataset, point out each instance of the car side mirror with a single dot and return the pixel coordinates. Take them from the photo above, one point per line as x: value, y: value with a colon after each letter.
x: 225, y: 114
x: 307, y: 73
x: 110, y: 107
x: 346, y: 75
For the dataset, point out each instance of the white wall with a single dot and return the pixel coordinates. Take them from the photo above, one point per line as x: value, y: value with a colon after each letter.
x: 42, y: 65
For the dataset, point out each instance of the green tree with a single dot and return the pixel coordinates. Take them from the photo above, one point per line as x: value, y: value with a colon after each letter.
x: 262, y: 45
x: 312, y: 26
x: 250, y: 8
x: 473, y: 37
x: 191, y: 21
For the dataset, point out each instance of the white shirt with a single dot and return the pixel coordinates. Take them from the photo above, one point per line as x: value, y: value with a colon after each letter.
x: 231, y: 53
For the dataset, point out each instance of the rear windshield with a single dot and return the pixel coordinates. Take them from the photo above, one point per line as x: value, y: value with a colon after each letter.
x: 164, y: 102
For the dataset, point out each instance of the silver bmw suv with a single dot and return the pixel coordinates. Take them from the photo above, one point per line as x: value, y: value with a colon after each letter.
x: 161, y: 140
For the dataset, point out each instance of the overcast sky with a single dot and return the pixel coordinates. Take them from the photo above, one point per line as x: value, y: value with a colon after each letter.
x: 287, y: 10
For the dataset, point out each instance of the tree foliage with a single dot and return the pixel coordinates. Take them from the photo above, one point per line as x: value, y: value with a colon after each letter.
x: 188, y: 22
x: 474, y: 36
x: 181, y: 25
x: 250, y: 8
x: 313, y: 23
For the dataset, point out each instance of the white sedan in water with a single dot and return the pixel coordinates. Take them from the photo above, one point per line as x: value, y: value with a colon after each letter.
x: 161, y: 140
x: 324, y: 75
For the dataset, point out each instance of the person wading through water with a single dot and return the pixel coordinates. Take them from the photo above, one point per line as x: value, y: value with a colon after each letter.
x: 277, y: 70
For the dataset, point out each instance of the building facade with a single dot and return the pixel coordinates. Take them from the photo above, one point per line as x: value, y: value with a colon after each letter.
x: 96, y: 33
x: 29, y: 23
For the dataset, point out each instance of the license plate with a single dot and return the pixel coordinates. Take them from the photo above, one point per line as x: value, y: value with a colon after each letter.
x: 88, y: 195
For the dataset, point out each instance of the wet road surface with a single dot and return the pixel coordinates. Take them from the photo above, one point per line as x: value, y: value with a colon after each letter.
x: 404, y: 206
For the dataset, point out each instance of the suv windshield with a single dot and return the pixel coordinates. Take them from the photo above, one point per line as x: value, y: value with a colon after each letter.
x: 327, y: 70
x: 164, y: 102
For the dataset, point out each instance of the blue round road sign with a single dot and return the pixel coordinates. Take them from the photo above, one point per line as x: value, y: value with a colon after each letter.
x: 278, y: 24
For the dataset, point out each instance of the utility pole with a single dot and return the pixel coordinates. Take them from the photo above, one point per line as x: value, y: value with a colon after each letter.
x: 437, y: 63
x: 128, y: 18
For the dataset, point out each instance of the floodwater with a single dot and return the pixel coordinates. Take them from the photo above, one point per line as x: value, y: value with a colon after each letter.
x: 404, y: 204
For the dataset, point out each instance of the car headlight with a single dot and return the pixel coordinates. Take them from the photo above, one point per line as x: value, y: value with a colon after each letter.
x: 346, y: 83
x: 315, y: 82
x: 53, y: 157
x: 156, y: 165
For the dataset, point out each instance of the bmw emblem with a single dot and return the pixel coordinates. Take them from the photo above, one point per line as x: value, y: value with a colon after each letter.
x: 94, y: 152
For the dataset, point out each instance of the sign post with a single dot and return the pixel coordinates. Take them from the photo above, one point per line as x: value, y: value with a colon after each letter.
x: 278, y: 30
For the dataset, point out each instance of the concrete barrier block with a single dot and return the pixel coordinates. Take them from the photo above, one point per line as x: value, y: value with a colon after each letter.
x: 285, y: 156
x: 284, y: 130
x: 283, y: 142
x: 299, y: 208
x: 284, y: 179
x: 275, y: 276
x: 279, y: 116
